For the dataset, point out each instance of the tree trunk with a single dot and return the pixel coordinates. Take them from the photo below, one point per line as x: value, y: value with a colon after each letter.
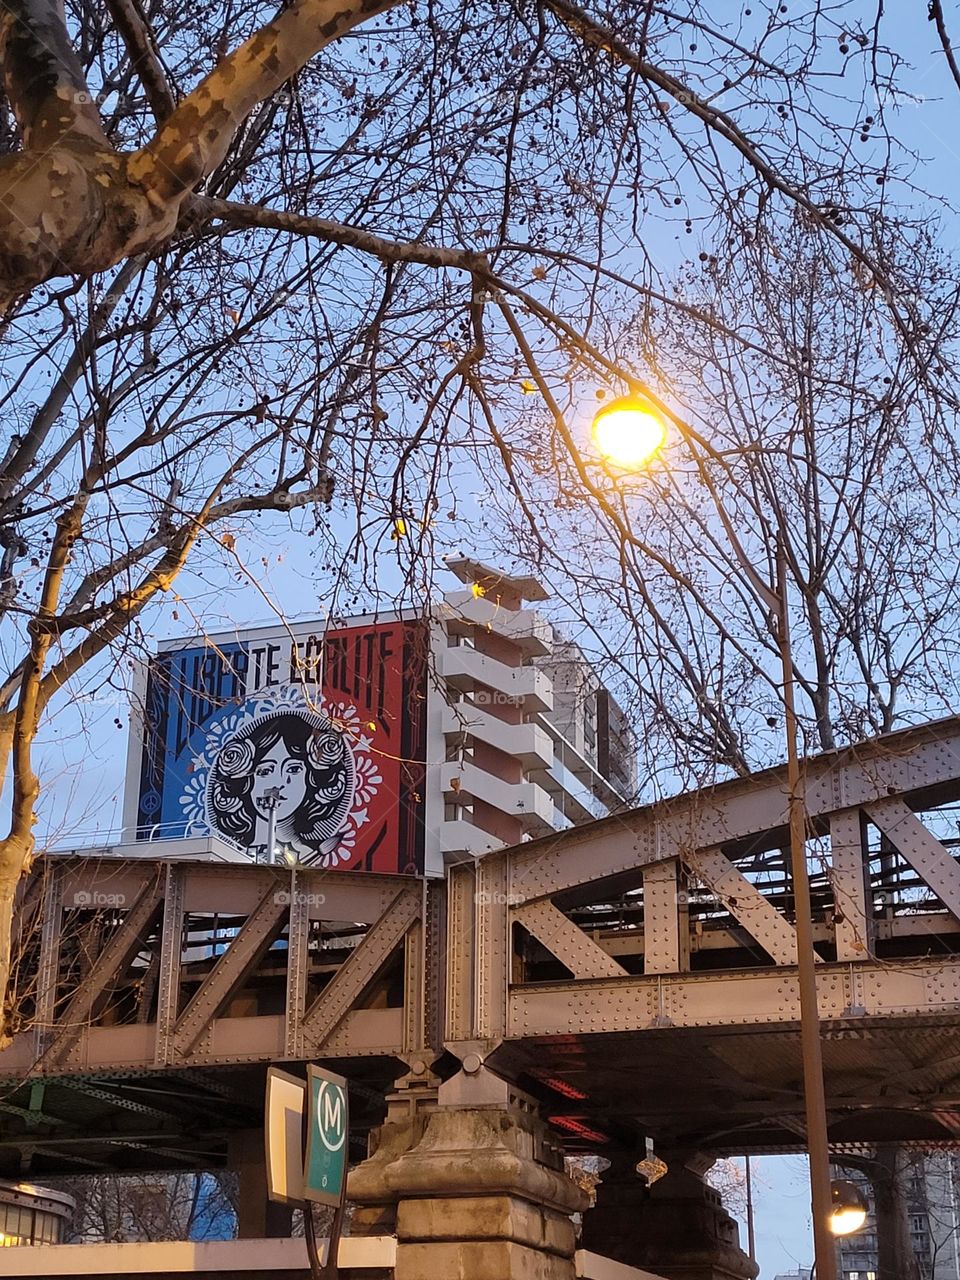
x: 895, y: 1256
x: 70, y: 203
x: 14, y: 855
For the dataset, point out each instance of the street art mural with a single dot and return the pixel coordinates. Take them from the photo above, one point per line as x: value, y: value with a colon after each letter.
x: 327, y: 729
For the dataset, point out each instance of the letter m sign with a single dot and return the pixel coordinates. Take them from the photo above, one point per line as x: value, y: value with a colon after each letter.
x: 328, y: 1130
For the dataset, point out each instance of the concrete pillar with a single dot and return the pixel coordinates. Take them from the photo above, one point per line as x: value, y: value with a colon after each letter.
x: 480, y: 1192
x: 257, y: 1217
x: 678, y: 1228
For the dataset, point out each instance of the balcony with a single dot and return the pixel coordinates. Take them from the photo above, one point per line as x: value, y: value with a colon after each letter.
x: 460, y: 836
x: 530, y: 632
x: 464, y: 668
x: 572, y: 762
x: 528, y: 743
x: 568, y: 782
x: 524, y: 800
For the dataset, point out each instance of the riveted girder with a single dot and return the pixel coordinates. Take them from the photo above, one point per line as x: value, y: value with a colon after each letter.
x: 192, y: 959
x: 110, y: 965
x: 675, y: 920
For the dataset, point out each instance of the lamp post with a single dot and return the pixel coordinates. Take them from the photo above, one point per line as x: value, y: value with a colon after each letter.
x: 751, y: 1234
x: 627, y: 437
x: 272, y: 797
x: 818, y: 1147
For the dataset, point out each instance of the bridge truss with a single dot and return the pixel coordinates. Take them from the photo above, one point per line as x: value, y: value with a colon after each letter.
x: 638, y: 975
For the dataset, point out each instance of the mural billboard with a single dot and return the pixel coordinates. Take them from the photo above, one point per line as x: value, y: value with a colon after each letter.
x: 333, y: 721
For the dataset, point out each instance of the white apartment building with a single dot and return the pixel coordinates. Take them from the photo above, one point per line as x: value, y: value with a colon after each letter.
x: 499, y: 732
x: 533, y: 742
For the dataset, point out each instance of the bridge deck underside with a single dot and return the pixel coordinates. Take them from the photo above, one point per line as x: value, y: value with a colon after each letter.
x: 740, y: 1091
x: 154, y: 1121
x: 717, y: 1090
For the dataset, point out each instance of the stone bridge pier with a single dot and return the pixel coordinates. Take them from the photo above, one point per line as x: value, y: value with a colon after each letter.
x: 678, y: 1228
x: 472, y: 1184
x: 470, y: 1180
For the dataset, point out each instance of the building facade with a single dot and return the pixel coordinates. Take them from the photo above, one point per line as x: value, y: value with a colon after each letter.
x: 930, y: 1185
x: 390, y: 743
x: 31, y: 1215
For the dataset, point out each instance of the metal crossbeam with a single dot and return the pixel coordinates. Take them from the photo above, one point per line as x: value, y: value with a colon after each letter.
x: 460, y: 958
x: 260, y: 930
x: 920, y: 848
x: 491, y: 972
x: 50, y: 929
x: 848, y: 880
x: 745, y: 903
x: 571, y: 946
x: 736, y: 999
x: 168, y: 978
x: 356, y: 974
x: 298, y: 938
x: 115, y: 1099
x: 112, y: 961
x: 753, y: 809
x: 34, y: 1118
x: 413, y: 987
x: 664, y: 908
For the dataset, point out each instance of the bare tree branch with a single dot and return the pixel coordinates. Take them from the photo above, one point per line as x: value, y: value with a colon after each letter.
x: 137, y: 36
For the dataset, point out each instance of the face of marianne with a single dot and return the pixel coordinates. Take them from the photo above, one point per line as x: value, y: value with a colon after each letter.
x: 278, y: 769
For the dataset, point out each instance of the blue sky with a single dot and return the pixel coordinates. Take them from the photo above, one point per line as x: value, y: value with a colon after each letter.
x: 781, y: 1194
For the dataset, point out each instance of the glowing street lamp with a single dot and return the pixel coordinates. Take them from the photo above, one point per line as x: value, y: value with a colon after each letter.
x: 848, y: 1210
x: 628, y: 432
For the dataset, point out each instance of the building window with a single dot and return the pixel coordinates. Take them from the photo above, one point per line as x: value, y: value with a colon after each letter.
x: 16, y: 1225
x: 453, y: 812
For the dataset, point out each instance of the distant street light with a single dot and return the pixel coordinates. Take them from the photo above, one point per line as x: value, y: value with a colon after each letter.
x: 849, y: 1207
x: 628, y: 432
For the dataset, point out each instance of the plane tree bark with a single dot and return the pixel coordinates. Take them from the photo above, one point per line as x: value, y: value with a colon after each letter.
x: 71, y: 203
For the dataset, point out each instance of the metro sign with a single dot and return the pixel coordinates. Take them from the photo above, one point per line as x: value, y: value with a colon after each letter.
x: 328, y: 1126
x: 307, y: 1126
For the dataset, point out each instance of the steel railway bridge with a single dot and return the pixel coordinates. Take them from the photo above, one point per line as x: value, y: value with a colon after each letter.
x: 636, y: 976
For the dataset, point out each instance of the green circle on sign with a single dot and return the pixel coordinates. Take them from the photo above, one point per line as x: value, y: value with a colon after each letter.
x: 331, y: 1116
